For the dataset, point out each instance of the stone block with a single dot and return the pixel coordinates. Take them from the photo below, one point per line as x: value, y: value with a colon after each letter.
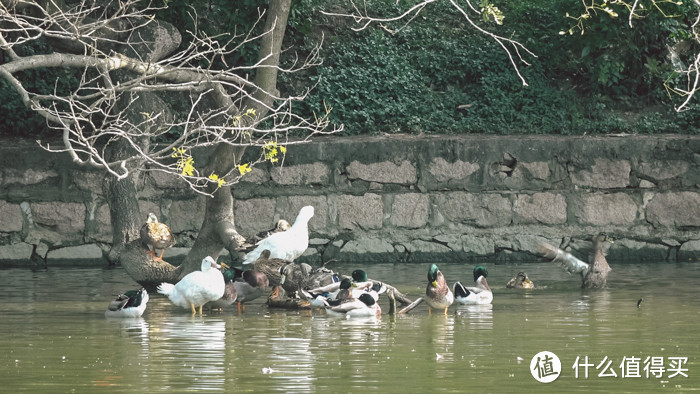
x: 604, y: 174
x: 10, y: 217
x: 538, y: 170
x: 367, y: 247
x: 365, y: 212
x: 60, y: 217
x: 680, y: 209
x: 477, y: 246
x: 545, y: 208
x: 81, y: 252
x: 187, y: 215
x: 302, y: 174
x: 384, y: 172
x: 663, y: 169
x: 293, y: 204
x: 410, y: 210
x: 444, y: 171
x: 689, y: 251
x: 15, y: 252
x: 27, y: 176
x: 483, y: 210
x: 254, y: 215
x: 600, y: 209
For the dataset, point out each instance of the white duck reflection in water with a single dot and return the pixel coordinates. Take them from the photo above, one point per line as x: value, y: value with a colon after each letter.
x: 200, y: 345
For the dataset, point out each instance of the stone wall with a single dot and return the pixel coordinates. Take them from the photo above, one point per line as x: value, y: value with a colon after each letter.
x: 394, y: 199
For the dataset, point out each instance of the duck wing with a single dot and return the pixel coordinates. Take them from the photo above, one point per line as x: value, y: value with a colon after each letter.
x: 567, y: 260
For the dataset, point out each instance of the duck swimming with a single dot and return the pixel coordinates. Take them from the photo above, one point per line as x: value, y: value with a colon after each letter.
x: 520, y: 281
x: 480, y: 294
x: 594, y: 274
x: 130, y: 304
x: 437, y: 293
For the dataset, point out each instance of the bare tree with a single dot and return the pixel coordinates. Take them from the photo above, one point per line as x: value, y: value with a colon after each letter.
x: 636, y: 11
x: 485, y: 11
x: 115, y: 116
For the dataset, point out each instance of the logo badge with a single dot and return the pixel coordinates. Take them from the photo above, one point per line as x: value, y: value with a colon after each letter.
x: 545, y: 367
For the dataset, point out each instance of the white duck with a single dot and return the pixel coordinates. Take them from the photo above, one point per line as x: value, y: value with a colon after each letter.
x: 196, y: 288
x: 287, y: 245
x: 480, y: 294
x: 130, y: 304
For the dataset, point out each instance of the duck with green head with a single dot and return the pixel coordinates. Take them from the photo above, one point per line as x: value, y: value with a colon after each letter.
x: 437, y: 293
x: 130, y: 304
x: 480, y: 294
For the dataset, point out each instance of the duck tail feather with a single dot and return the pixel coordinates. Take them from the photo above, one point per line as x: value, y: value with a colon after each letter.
x: 165, y: 288
x: 459, y: 290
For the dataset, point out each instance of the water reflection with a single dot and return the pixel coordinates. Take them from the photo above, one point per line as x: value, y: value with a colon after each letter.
x: 58, y: 340
x: 194, y: 351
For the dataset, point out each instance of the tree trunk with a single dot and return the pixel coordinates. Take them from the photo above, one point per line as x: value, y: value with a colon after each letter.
x: 218, y: 226
x: 218, y: 229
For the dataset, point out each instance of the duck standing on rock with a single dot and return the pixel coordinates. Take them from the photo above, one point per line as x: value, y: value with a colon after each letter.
x: 480, y: 294
x: 156, y: 235
x: 437, y: 293
x: 594, y: 274
x: 286, y: 245
x: 130, y: 304
x: 196, y: 288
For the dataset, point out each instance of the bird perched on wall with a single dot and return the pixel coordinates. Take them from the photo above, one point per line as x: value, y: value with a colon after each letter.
x: 287, y: 245
x: 480, y: 294
x: 594, y: 274
x: 437, y: 293
x: 130, y: 304
x: 156, y: 235
x: 196, y: 288
x: 520, y: 281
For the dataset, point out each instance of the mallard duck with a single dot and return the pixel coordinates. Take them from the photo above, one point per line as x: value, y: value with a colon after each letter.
x: 294, y: 277
x: 364, y: 306
x: 196, y: 288
x: 271, y: 267
x: 479, y: 294
x: 130, y: 304
x: 437, y: 293
x: 359, y: 279
x: 331, y: 298
x: 594, y: 274
x: 230, y: 293
x: 520, y: 281
x: 250, y: 284
x: 156, y: 235
x: 286, y: 245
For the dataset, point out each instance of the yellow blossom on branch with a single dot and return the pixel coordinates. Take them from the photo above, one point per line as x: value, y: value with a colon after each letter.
x: 244, y: 168
x: 219, y: 181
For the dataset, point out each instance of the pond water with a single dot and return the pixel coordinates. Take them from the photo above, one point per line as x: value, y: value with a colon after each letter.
x: 54, y: 337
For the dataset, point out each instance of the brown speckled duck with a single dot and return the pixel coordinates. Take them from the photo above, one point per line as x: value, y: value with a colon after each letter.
x: 594, y: 274
x: 520, y: 281
x: 156, y: 235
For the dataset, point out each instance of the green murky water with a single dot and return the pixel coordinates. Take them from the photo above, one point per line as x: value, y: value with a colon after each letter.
x: 54, y: 337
